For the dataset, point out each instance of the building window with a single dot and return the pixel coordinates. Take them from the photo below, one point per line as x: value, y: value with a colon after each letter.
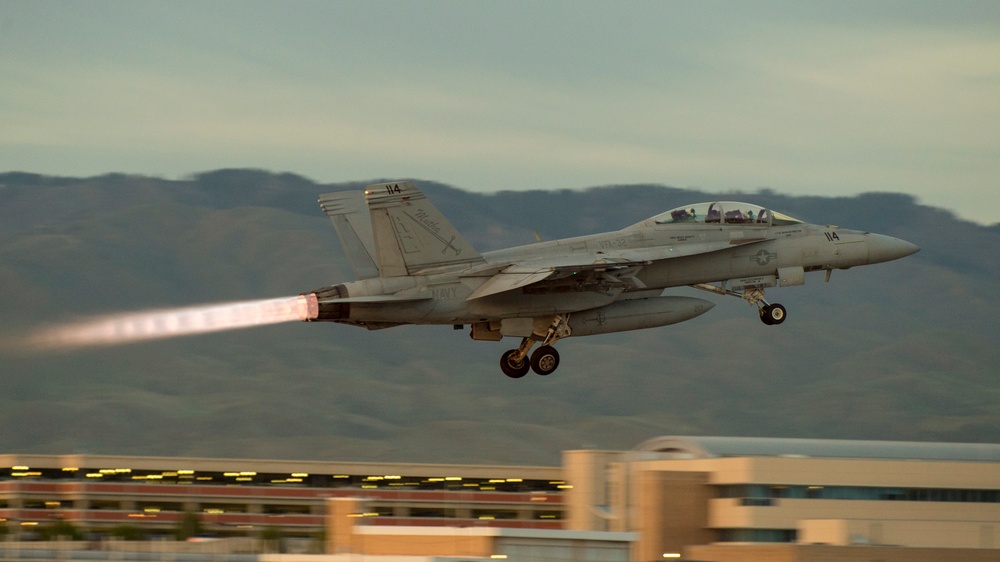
x: 749, y: 493
x: 105, y: 504
x: 280, y: 509
x: 547, y: 515
x: 439, y: 512
x: 494, y: 514
x: 155, y: 507
x: 223, y: 508
x: 756, y: 502
x: 757, y: 535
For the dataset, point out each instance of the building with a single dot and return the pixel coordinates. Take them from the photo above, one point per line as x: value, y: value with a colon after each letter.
x: 748, y: 499
x: 241, y: 497
x: 347, y: 533
x: 706, y: 498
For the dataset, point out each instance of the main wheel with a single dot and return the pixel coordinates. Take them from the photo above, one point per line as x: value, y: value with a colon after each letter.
x: 510, y: 367
x: 773, y: 314
x: 544, y: 360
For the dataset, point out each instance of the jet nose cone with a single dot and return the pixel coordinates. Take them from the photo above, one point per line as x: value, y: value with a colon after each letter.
x: 883, y: 248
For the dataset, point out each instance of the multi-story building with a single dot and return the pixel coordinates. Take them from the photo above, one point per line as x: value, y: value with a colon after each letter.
x: 240, y: 497
x: 748, y: 499
x: 705, y: 498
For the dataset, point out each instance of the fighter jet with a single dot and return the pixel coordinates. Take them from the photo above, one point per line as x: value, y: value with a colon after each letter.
x: 414, y: 267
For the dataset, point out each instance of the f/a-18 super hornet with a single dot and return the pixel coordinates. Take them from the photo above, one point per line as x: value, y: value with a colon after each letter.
x: 414, y: 267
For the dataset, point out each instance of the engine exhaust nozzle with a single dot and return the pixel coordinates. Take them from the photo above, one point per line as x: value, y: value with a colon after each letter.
x: 321, y: 305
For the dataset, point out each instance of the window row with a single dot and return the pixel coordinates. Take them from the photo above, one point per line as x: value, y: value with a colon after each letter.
x: 765, y: 492
x: 294, y: 479
x: 299, y: 509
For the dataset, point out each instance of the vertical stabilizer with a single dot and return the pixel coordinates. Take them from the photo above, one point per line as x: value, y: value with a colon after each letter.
x: 410, y: 233
x: 350, y: 219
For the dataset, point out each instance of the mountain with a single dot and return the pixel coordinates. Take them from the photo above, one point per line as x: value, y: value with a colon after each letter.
x: 901, y: 351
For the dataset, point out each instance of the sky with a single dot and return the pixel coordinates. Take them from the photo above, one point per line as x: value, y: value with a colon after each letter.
x: 804, y: 98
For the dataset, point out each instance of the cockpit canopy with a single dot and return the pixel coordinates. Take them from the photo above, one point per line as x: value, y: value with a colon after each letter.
x: 724, y: 212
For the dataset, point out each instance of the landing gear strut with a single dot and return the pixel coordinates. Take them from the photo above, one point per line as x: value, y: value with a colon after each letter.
x: 515, y: 363
x: 770, y: 314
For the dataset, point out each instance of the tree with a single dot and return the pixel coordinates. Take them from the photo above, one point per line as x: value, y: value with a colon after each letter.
x: 189, y: 527
x: 60, y: 529
x: 127, y: 533
x: 270, y: 536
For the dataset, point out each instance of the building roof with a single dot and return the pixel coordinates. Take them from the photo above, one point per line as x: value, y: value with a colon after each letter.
x: 709, y: 447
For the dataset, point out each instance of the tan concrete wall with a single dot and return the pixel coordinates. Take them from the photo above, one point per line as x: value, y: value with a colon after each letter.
x: 785, y: 513
x: 924, y: 534
x: 816, y: 553
x: 742, y: 553
x: 587, y: 472
x: 842, y: 472
x: 672, y: 512
x: 344, y: 515
x: 425, y: 545
x: 340, y: 521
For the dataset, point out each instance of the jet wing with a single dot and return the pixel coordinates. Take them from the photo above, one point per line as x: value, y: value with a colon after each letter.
x: 509, y: 279
x: 531, y: 272
x: 602, y: 267
x: 657, y: 253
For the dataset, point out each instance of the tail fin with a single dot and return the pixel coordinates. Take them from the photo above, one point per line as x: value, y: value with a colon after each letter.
x: 410, y: 233
x: 347, y: 212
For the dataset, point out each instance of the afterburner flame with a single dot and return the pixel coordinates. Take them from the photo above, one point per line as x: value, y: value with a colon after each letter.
x: 169, y: 323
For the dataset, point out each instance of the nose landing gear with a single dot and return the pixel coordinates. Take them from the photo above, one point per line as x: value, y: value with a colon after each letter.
x: 770, y: 314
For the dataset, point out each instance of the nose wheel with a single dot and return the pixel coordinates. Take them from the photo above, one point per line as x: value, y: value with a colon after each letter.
x: 772, y: 314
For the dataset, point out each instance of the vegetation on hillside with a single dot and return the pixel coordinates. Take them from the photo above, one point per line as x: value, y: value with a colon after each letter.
x: 904, y: 350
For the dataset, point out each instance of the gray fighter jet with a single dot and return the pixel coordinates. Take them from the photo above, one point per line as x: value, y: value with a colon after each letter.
x: 414, y: 267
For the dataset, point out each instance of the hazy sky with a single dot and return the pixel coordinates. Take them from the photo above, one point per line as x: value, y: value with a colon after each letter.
x: 829, y: 98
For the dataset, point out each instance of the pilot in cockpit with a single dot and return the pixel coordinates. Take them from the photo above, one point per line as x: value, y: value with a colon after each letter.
x: 682, y: 215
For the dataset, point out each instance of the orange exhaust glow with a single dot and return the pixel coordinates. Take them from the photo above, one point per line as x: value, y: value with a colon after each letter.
x: 169, y: 323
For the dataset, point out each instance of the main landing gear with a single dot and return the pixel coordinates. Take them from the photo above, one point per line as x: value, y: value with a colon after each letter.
x: 515, y: 363
x: 770, y: 314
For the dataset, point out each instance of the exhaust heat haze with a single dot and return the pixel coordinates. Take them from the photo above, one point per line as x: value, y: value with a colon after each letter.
x: 168, y: 323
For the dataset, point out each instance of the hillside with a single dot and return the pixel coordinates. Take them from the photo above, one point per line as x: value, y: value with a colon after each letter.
x: 904, y: 350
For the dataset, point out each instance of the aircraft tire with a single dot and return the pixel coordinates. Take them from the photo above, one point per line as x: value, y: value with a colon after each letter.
x: 764, y: 316
x: 544, y: 360
x: 514, y: 370
x: 773, y: 314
